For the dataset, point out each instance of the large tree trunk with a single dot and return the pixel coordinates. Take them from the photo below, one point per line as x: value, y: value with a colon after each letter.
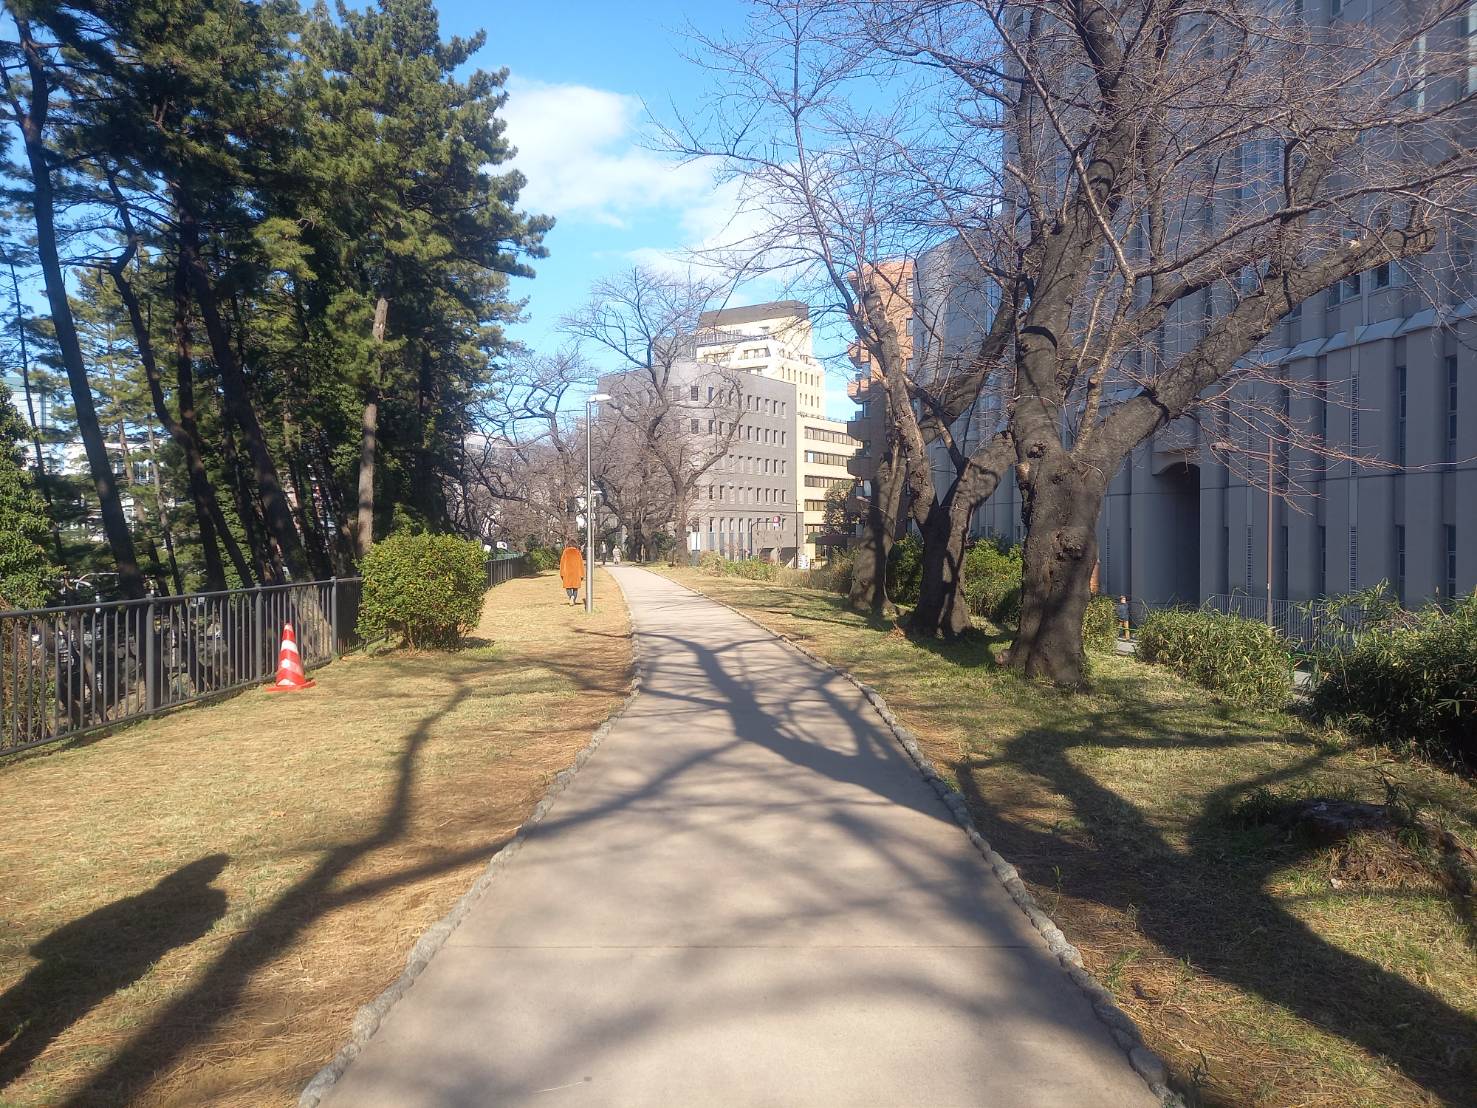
x: 1056, y: 582
x: 33, y: 127
x: 368, y: 437
x: 943, y: 611
x: 868, y: 591
x: 275, y: 508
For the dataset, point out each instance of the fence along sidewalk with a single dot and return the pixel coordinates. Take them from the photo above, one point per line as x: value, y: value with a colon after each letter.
x: 69, y: 670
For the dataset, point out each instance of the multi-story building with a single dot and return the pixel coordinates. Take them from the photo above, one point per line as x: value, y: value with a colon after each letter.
x: 1381, y: 368
x: 774, y: 341
x: 738, y: 431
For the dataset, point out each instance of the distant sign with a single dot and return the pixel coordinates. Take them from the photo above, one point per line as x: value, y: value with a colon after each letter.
x: 804, y: 561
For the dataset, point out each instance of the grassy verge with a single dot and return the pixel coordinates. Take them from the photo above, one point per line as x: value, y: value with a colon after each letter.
x: 1266, y: 971
x: 194, y: 908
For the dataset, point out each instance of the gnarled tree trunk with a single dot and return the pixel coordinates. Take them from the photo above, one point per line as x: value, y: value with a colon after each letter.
x: 868, y: 591
x: 1062, y: 509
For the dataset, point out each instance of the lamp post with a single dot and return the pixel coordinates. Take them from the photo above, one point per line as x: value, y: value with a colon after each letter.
x: 597, y: 398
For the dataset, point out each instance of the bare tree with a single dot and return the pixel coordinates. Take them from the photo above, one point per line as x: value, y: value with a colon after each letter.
x: 517, y: 480
x: 1163, y: 183
x: 838, y: 204
x: 685, y: 414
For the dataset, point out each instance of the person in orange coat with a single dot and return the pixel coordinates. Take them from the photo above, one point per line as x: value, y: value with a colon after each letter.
x: 572, y: 571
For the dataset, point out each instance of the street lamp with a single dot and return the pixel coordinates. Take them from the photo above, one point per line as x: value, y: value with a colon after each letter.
x: 597, y: 398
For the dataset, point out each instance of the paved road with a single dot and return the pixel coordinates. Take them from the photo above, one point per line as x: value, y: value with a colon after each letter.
x: 747, y: 897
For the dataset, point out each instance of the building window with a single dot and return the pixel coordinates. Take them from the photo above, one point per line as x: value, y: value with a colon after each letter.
x: 694, y: 426
x: 1400, y: 563
x: 1382, y: 276
x: 1401, y: 412
x: 692, y: 393
x: 1451, y: 409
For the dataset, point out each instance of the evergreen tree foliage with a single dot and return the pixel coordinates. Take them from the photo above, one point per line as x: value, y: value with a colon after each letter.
x: 25, y: 570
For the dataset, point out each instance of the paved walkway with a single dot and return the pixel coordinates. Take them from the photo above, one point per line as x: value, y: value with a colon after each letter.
x: 747, y: 897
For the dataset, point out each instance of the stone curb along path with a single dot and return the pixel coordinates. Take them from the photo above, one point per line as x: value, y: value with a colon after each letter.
x: 367, y: 1020
x: 1125, y: 1032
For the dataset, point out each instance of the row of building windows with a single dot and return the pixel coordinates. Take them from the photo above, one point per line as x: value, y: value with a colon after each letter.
x: 749, y: 433
x: 815, y: 505
x: 738, y: 463
x: 762, y: 404
x: 747, y: 494
x: 821, y: 457
x: 825, y: 434
x: 814, y: 481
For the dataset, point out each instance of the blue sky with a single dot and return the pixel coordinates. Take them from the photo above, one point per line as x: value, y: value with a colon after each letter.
x: 585, y: 77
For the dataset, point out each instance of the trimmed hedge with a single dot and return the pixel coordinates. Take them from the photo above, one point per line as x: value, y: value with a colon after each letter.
x: 427, y: 589
x: 1413, y: 684
x: 1241, y: 659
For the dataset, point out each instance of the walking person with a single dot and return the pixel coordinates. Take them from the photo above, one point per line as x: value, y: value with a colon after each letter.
x: 572, y: 571
x: 1122, y: 608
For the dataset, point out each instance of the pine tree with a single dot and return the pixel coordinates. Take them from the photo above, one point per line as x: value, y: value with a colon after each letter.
x: 25, y: 569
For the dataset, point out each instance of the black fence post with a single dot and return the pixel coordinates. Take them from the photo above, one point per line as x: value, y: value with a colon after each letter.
x: 333, y: 617
x: 151, y: 660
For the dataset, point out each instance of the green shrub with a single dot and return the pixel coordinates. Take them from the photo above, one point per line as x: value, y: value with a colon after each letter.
x: 1409, y: 685
x: 428, y: 589
x: 835, y: 575
x: 1241, y: 659
x: 992, y: 582
x: 905, y: 570
x: 715, y: 565
x: 1100, y: 624
x: 754, y: 569
x: 542, y: 559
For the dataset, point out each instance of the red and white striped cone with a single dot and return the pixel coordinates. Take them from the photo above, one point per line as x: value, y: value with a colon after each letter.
x: 290, y: 675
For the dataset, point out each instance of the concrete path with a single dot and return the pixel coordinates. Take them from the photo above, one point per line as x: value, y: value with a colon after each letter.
x: 747, y: 897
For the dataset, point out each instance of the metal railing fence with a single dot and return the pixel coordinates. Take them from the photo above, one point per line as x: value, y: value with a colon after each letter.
x: 70, y: 670
x: 1314, y: 625
x: 504, y: 569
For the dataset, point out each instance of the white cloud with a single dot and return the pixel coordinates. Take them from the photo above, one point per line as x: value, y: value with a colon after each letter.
x: 579, y: 148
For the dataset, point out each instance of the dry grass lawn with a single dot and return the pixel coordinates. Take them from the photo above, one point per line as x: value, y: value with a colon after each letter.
x: 193, y: 908
x: 1266, y: 971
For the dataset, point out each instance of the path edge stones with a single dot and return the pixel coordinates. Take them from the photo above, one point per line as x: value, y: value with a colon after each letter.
x: 1145, y: 1061
x: 369, y: 1017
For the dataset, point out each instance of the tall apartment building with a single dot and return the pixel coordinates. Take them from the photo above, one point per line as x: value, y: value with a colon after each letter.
x: 1383, y: 366
x: 774, y: 341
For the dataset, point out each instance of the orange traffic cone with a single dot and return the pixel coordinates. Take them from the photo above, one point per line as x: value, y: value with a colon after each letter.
x: 290, y: 676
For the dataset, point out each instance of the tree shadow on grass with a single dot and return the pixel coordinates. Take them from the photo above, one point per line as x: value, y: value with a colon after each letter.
x: 84, y: 962
x: 193, y: 1016
x: 1210, y: 904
